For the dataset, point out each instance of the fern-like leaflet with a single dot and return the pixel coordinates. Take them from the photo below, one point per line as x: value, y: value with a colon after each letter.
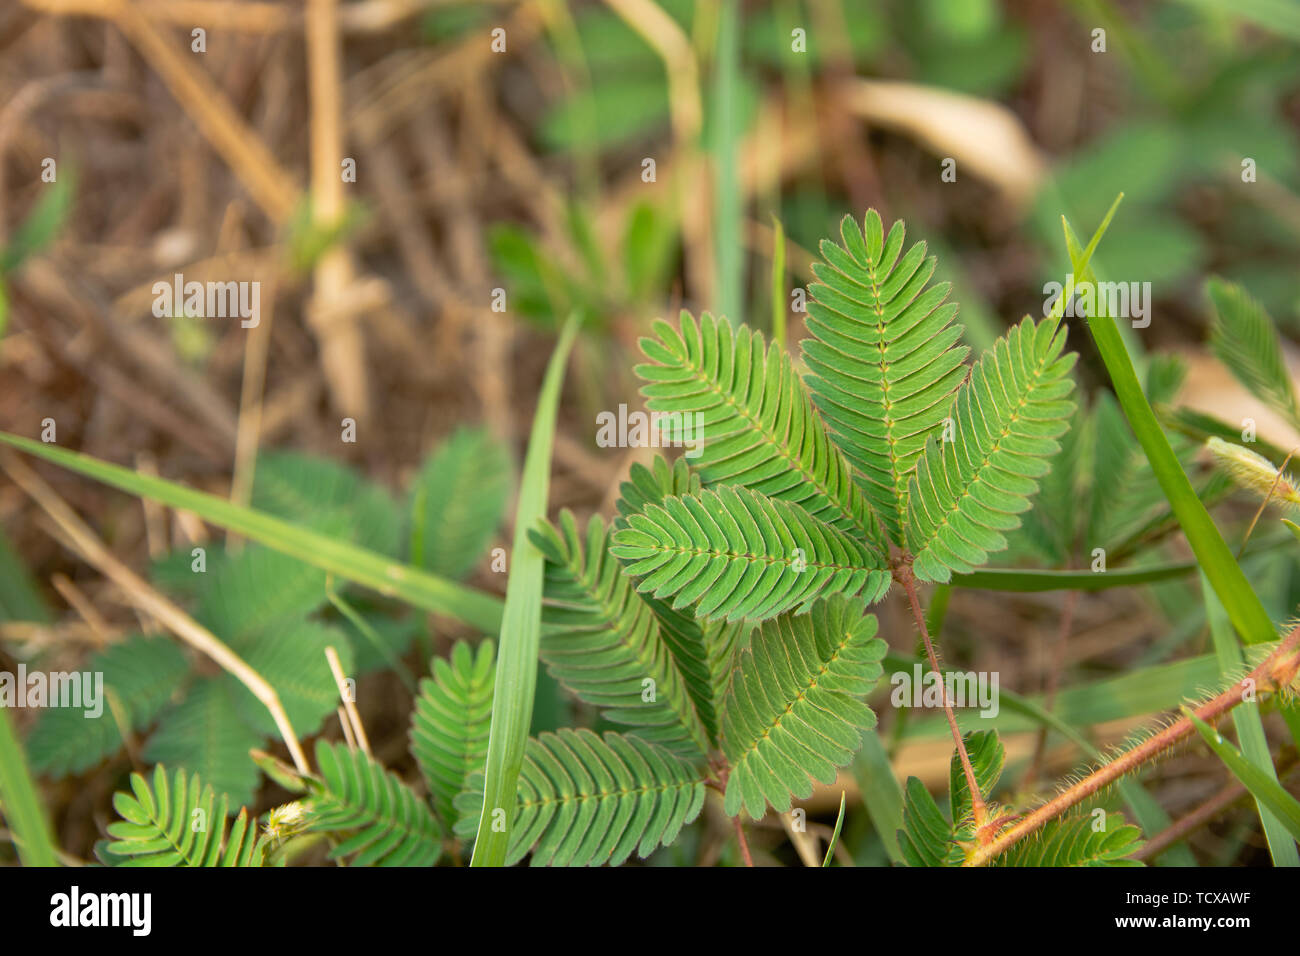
x: 760, y: 429
x: 388, y: 824
x: 884, y: 356
x: 795, y: 709
x: 1245, y: 338
x: 1077, y: 841
x: 968, y: 491
x: 601, y: 640
x: 737, y: 554
x: 450, y: 723
x: 179, y: 821
x: 586, y: 800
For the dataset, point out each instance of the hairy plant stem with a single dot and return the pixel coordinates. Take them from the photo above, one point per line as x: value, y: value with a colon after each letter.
x: 903, y: 575
x: 1276, y: 671
x: 744, y: 843
x: 721, y: 771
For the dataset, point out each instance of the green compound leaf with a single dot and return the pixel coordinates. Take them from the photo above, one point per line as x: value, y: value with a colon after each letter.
x: 705, y: 653
x: 327, y: 495
x: 740, y: 555
x: 291, y: 658
x: 969, y: 490
x: 388, y: 823
x: 795, y: 710
x: 603, y: 642
x: 449, y: 726
x: 987, y: 757
x: 140, y: 675
x: 179, y: 822
x: 205, y: 734
x: 257, y: 590
x: 457, y: 502
x: 646, y: 486
x: 1245, y: 339
x: 587, y: 801
x: 752, y: 417
x: 927, y: 837
x: 1074, y: 841
x: 885, y: 357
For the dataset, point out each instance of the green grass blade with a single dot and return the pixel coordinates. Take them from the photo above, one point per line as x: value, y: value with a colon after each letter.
x: 835, y: 837
x: 1032, y: 581
x: 359, y: 565
x: 521, y: 625
x: 1249, y: 726
x: 1266, y: 791
x: 20, y: 804
x: 881, y: 793
x: 728, y: 237
x: 779, y: 305
x: 1275, y: 16
x: 43, y: 223
x: 1212, y: 554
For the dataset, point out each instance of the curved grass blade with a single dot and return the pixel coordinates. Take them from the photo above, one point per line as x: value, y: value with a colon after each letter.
x: 835, y: 837
x: 1212, y: 553
x: 880, y: 792
x: 521, y: 625
x: 1249, y: 726
x: 1266, y: 791
x: 21, y: 806
x: 358, y: 565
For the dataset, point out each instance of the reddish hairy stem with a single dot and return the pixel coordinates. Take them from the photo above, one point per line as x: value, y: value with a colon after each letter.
x: 1276, y: 671
x: 903, y: 575
x: 744, y: 843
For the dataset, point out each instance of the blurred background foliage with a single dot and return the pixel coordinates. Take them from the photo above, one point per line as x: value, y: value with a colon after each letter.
x: 525, y: 170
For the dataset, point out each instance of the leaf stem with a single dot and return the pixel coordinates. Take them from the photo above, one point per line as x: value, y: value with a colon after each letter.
x: 744, y: 843
x: 903, y: 575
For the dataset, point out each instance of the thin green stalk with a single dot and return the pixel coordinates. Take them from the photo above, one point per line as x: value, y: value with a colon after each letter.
x: 21, y: 806
x: 1267, y: 791
x: 1250, y: 729
x: 728, y: 240
x: 835, y: 837
x: 779, y: 306
x: 521, y: 626
x: 352, y: 563
x: 370, y: 635
x: 881, y: 793
x: 1032, y: 582
x: 1212, y: 552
